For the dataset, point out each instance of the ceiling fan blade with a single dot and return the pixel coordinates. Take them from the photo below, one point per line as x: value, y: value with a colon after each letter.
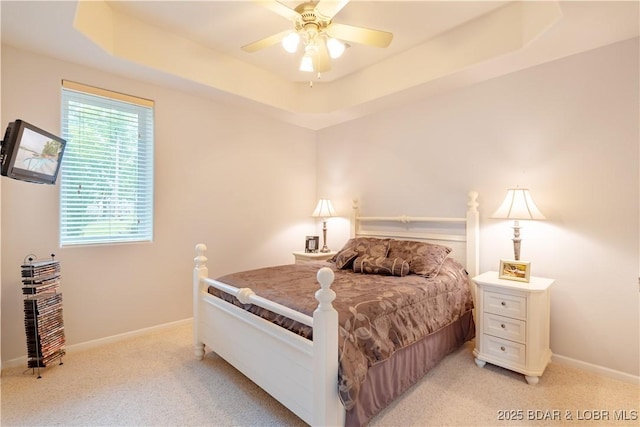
x: 321, y: 60
x: 280, y: 9
x: 330, y: 8
x: 360, y: 35
x: 266, y: 42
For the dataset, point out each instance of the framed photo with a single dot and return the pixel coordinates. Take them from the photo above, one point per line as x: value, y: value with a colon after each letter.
x: 515, y: 270
x: 311, y: 244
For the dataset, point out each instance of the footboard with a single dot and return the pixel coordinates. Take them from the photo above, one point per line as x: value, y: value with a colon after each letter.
x: 299, y: 373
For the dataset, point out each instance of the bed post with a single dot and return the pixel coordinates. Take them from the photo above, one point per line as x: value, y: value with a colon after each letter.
x: 473, y: 229
x: 199, y: 272
x: 355, y: 213
x: 325, y: 354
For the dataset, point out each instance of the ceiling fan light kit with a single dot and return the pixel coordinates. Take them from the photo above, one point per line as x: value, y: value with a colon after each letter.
x: 322, y: 38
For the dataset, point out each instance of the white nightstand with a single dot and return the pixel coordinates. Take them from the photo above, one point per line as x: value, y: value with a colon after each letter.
x: 302, y: 256
x: 512, y: 324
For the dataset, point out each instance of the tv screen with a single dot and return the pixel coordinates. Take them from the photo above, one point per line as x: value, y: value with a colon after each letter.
x: 31, y: 154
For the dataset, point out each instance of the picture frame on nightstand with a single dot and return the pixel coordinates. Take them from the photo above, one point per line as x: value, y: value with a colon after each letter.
x: 311, y: 244
x: 515, y: 270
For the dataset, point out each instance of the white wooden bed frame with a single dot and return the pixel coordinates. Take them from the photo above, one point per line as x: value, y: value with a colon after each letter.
x: 299, y: 373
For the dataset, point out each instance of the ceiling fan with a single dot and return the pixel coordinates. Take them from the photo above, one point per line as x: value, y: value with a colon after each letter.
x: 322, y: 38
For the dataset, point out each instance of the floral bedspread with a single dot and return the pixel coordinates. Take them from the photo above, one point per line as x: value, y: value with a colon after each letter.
x: 378, y: 315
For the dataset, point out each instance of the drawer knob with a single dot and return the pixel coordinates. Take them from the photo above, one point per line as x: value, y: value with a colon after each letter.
x: 502, y: 348
x: 502, y: 326
x: 503, y: 303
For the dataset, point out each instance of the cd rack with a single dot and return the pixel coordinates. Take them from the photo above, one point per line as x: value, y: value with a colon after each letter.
x: 43, y: 321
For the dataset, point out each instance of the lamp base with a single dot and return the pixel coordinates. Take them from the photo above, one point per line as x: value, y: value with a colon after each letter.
x: 516, y: 240
x: 324, y: 249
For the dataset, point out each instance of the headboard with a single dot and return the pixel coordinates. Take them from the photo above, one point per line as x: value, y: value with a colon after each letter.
x: 461, y: 234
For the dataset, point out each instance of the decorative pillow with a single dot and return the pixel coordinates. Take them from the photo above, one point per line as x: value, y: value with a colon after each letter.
x: 344, y: 258
x: 381, y: 265
x: 425, y: 259
x: 349, y: 245
x: 372, y: 246
x: 365, y: 246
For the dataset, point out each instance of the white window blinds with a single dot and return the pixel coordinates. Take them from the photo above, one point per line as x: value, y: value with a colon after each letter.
x: 106, y: 178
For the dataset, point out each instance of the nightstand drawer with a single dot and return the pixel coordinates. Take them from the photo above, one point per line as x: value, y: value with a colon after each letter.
x: 504, y: 349
x: 505, y: 327
x: 505, y: 304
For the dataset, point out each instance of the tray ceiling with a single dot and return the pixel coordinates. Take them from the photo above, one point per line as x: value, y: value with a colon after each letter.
x: 195, y: 46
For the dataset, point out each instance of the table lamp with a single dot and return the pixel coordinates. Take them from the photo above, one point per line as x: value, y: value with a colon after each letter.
x: 324, y: 210
x: 517, y: 205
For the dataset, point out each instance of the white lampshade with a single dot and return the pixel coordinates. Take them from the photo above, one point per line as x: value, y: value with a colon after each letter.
x: 518, y: 204
x: 335, y: 48
x: 324, y: 209
x: 307, y: 63
x: 290, y: 42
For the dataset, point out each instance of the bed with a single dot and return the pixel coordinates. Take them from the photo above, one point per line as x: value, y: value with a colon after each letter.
x: 300, y: 349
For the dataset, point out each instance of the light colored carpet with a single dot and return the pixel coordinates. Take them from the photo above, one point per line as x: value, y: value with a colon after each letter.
x: 154, y: 380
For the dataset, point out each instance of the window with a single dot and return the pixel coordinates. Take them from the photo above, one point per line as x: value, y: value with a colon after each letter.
x: 106, y: 178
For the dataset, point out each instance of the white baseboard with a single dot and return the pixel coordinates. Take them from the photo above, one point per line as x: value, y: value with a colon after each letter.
x: 22, y: 361
x: 585, y: 366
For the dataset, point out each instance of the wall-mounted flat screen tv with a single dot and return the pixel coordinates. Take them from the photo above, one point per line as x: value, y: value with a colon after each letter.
x: 31, y: 154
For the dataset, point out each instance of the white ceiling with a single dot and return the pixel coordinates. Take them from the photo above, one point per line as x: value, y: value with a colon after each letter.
x: 195, y: 46
x: 226, y: 26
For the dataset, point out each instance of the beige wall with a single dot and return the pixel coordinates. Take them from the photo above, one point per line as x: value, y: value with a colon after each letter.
x: 243, y: 184
x: 568, y: 130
